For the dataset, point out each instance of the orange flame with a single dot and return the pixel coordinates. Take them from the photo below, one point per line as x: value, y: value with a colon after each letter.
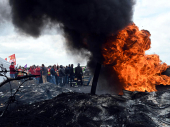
x: 136, y: 70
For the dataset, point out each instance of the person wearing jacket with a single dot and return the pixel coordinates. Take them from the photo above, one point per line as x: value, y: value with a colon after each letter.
x: 56, y: 76
x: 31, y: 71
x: 44, y: 73
x: 62, y: 75
x: 49, y: 74
x: 52, y: 71
x: 79, y: 73
x: 37, y: 72
x: 67, y: 72
x: 71, y: 75
x: 12, y: 70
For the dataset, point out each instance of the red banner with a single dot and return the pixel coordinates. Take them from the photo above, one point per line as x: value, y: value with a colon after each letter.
x: 6, y: 59
x: 12, y: 59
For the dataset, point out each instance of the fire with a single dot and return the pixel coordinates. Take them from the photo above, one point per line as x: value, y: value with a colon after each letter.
x: 136, y: 70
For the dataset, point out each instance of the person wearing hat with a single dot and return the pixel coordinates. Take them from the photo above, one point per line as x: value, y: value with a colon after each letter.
x: 12, y: 70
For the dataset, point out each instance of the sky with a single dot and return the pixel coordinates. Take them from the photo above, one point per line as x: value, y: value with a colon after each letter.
x: 50, y: 49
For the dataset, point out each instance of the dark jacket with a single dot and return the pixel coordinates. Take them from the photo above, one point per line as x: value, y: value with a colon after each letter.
x: 78, y: 71
x: 52, y: 71
x: 44, y: 71
x: 71, y: 71
x: 61, y: 72
x: 67, y: 71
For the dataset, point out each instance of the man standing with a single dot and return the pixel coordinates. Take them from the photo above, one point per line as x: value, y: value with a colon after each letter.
x: 12, y: 70
x: 44, y: 73
x: 49, y: 74
x: 79, y: 73
x: 52, y: 71
x: 67, y: 71
x: 71, y: 75
x: 62, y: 75
x: 57, y: 75
x: 37, y: 72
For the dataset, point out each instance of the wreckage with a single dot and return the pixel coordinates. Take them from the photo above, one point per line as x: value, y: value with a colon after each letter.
x: 132, y: 109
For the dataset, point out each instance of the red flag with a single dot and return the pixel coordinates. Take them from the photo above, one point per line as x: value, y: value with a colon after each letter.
x: 12, y: 59
x: 6, y: 59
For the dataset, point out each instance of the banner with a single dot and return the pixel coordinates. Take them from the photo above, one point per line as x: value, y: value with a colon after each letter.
x: 12, y: 59
x: 25, y: 66
x: 6, y: 59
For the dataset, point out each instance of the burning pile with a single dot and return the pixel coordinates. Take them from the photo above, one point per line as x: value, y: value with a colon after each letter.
x: 136, y: 70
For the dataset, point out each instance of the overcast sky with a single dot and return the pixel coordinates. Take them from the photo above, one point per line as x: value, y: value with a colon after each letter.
x: 49, y: 49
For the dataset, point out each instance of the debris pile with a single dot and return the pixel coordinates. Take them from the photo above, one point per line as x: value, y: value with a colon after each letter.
x: 132, y: 109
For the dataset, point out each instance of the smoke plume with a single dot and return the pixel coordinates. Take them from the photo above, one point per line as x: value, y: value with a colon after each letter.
x: 85, y: 23
x: 5, y: 11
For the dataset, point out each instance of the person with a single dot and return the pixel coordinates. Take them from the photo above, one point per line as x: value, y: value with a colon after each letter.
x: 31, y: 70
x: 58, y: 75
x: 44, y: 74
x: 52, y: 71
x: 37, y: 72
x: 49, y: 74
x: 55, y: 68
x: 16, y: 73
x: 41, y: 80
x: 12, y: 70
x: 62, y: 75
x: 71, y: 75
x: 67, y: 71
x: 20, y: 74
x: 79, y: 73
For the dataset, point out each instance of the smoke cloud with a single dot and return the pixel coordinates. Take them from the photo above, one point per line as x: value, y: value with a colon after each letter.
x: 5, y: 11
x: 85, y: 23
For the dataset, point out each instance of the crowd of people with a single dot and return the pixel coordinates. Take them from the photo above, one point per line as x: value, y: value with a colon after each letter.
x: 58, y: 75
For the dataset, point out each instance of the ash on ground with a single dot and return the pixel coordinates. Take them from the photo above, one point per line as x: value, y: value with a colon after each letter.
x: 47, y: 105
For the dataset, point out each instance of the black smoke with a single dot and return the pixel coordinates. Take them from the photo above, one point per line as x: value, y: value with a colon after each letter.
x: 85, y: 23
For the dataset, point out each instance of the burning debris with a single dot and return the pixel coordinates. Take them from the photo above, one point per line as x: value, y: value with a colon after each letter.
x: 136, y: 70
